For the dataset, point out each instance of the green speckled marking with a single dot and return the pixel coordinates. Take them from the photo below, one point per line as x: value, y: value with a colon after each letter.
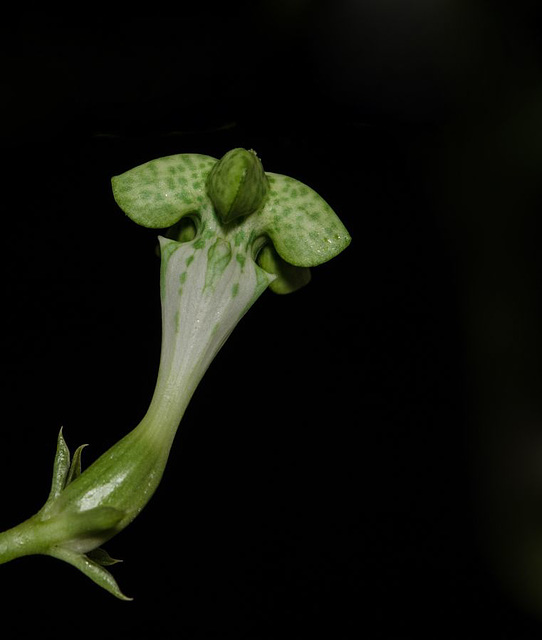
x: 182, y: 280
x: 241, y: 259
x: 167, y: 249
x: 240, y: 237
x: 234, y: 289
x: 218, y: 258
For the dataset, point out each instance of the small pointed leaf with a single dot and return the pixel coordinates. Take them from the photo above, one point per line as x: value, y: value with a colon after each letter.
x: 75, y: 467
x: 91, y: 569
x: 101, y: 557
x: 61, y: 467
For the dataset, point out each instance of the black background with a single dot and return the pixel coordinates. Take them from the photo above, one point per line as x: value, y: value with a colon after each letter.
x: 326, y: 474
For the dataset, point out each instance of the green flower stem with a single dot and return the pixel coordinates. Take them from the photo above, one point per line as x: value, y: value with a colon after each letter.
x: 24, y: 539
x: 233, y: 231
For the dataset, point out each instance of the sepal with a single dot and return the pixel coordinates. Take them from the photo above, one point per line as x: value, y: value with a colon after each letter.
x: 91, y: 568
x: 81, y: 530
x: 65, y: 469
x: 289, y: 278
x: 61, y: 468
x: 75, y: 466
x: 102, y: 557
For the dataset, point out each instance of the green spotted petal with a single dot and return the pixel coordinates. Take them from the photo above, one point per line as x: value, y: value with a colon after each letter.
x: 304, y: 229
x: 160, y: 192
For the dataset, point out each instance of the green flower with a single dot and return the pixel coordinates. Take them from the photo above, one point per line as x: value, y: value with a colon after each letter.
x: 230, y: 230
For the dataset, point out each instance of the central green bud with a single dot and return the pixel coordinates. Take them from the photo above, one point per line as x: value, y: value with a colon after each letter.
x: 237, y: 184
